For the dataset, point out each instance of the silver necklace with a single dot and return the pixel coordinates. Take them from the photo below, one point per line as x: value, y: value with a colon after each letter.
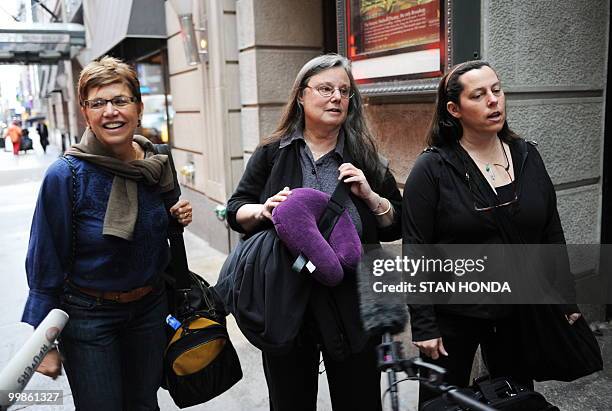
x: 489, y: 171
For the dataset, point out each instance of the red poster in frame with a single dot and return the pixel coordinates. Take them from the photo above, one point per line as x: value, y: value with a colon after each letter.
x: 394, y: 40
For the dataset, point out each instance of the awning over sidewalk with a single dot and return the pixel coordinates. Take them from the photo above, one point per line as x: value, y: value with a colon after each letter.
x: 124, y: 28
x: 40, y: 43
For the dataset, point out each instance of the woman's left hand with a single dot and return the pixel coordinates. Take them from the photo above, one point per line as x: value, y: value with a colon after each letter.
x: 182, y: 211
x: 357, y: 180
x: 572, y: 318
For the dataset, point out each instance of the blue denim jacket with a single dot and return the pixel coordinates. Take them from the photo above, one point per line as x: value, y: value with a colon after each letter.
x: 100, y: 262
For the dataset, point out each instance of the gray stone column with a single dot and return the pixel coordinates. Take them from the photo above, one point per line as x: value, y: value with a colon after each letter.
x: 551, y: 57
x: 207, y: 146
x: 275, y: 38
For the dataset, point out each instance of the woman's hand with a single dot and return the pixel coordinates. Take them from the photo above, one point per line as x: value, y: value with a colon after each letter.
x: 358, y: 182
x: 249, y: 216
x: 360, y: 187
x: 51, y: 364
x: 182, y: 211
x: 572, y: 318
x: 271, y: 203
x: 431, y: 348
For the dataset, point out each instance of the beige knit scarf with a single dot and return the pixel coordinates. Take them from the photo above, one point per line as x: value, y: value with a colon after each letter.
x: 122, y: 206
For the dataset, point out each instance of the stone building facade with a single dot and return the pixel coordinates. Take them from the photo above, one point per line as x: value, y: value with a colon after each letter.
x: 550, y: 55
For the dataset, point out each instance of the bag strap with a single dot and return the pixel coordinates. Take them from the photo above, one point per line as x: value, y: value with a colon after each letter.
x: 178, y: 261
x: 334, y: 209
x: 73, y: 211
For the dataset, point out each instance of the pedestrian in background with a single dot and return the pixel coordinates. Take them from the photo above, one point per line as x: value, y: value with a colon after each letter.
x: 478, y: 183
x: 14, y: 132
x: 26, y: 142
x: 43, y: 132
x: 322, y: 126
x: 98, y: 246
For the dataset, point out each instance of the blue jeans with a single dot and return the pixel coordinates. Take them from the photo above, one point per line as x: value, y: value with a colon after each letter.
x: 113, y: 352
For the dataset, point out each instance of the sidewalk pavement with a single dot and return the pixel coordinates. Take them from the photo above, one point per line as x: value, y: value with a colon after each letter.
x: 19, y: 181
x: 591, y: 393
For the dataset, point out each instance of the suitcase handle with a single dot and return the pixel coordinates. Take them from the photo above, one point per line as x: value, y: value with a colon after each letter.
x: 492, y: 389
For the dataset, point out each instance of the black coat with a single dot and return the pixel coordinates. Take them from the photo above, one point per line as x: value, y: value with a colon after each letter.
x: 269, y: 170
x: 43, y: 132
x: 438, y: 208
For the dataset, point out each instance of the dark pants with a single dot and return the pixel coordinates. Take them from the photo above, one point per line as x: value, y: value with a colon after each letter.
x: 461, y: 337
x: 354, y: 384
x: 113, y: 352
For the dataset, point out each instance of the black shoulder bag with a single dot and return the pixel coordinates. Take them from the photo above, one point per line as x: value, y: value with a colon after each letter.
x: 200, y: 361
x: 266, y: 289
x: 548, y: 348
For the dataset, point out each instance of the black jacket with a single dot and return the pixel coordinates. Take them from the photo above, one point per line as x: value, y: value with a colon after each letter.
x: 438, y: 208
x: 269, y: 170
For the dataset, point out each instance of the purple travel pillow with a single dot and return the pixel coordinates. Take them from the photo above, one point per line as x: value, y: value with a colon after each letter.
x: 295, y: 220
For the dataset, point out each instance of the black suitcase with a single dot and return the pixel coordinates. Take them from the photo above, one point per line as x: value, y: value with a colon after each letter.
x: 498, y: 393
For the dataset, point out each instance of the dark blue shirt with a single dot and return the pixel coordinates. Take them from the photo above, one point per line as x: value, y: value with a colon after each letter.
x: 323, y: 173
x: 100, y: 262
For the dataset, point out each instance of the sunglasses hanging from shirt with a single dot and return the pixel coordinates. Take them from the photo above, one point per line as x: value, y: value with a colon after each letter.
x: 478, y: 181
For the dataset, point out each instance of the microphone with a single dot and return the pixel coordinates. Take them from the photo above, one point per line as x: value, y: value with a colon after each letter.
x: 20, y: 369
x: 387, y: 315
x: 382, y: 314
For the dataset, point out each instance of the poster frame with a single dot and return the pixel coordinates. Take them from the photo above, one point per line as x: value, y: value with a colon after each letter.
x: 419, y: 83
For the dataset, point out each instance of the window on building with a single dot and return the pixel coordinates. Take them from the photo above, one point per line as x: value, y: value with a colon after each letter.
x: 158, y: 113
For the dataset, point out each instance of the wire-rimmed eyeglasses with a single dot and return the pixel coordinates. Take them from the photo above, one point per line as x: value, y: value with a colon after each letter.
x: 327, y: 91
x: 117, y: 102
x: 500, y: 205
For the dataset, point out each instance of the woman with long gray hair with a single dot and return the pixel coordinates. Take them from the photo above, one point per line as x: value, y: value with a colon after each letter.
x: 323, y: 138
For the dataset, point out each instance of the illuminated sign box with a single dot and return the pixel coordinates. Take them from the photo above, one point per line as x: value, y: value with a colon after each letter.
x: 403, y: 46
x: 400, y: 38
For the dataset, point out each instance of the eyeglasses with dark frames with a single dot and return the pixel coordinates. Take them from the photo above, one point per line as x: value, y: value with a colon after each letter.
x: 500, y: 205
x: 327, y: 91
x: 117, y: 102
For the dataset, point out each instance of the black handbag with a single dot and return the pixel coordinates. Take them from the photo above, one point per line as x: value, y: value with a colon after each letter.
x: 548, y: 348
x: 265, y: 288
x: 498, y: 393
x: 553, y: 349
x: 200, y: 361
x: 258, y: 287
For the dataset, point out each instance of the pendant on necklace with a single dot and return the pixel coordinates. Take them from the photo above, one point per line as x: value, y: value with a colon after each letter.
x: 490, y: 172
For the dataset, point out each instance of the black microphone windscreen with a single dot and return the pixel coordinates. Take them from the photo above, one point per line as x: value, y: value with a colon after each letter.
x: 380, y: 312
